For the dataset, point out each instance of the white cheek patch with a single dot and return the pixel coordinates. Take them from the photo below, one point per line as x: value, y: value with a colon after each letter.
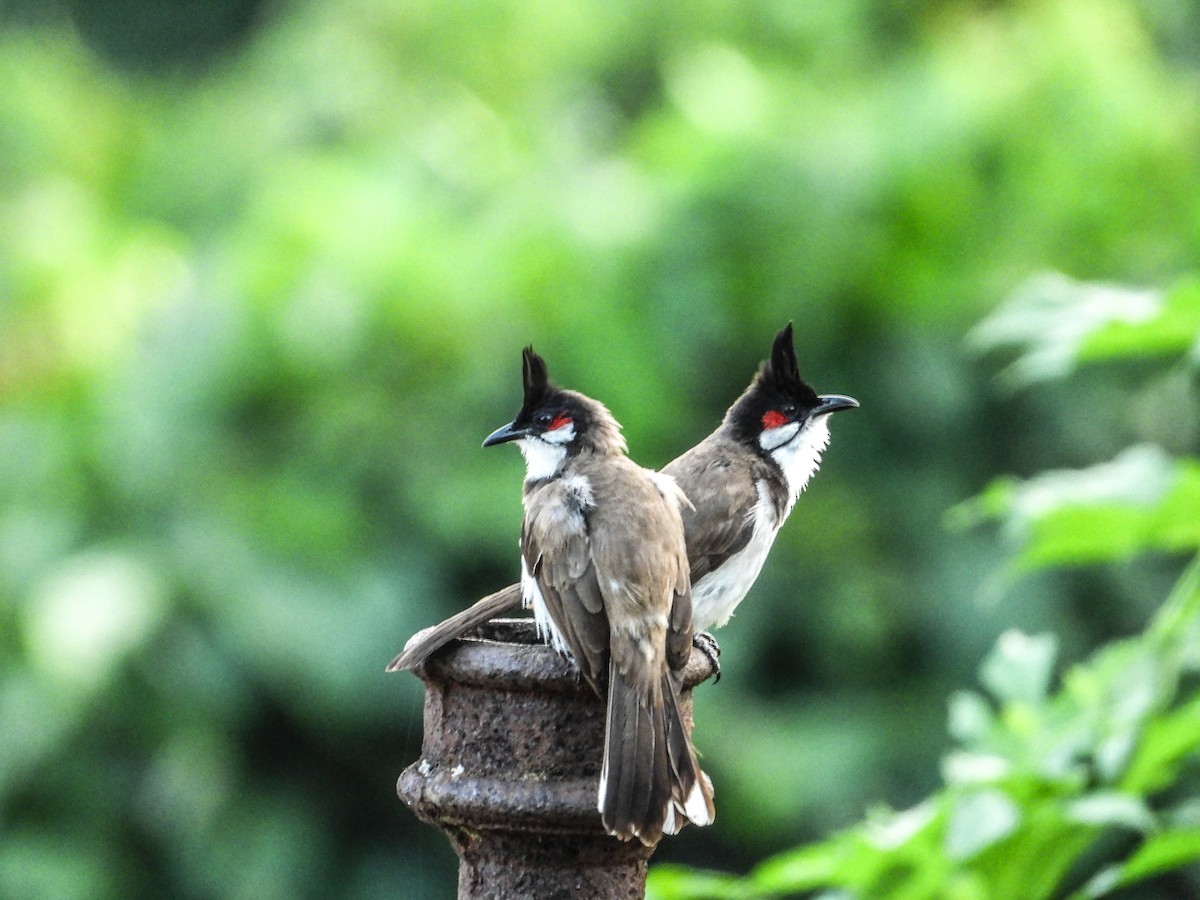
x: 771, y: 438
x: 563, y: 434
x: 801, y: 458
x: 541, y: 459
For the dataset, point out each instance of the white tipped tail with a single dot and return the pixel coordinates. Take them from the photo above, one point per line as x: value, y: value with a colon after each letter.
x: 650, y: 782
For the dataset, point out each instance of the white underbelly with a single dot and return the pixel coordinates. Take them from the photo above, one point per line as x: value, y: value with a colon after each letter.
x: 717, y: 594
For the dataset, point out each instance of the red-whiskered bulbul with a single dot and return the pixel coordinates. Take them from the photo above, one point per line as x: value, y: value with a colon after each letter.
x: 744, y: 478
x: 742, y: 481
x: 604, y: 567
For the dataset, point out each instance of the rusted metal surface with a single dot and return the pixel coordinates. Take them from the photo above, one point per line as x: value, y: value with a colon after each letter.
x: 510, y: 767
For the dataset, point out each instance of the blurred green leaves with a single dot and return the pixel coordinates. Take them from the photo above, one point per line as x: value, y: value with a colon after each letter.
x: 1057, y: 324
x: 1019, y: 667
x: 1081, y: 789
x: 1036, y: 780
x: 1143, y: 500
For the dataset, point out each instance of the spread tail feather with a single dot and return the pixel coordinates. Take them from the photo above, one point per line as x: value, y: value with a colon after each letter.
x: 650, y: 782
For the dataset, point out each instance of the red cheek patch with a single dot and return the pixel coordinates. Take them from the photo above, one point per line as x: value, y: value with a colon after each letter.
x: 773, y: 419
x: 559, y: 422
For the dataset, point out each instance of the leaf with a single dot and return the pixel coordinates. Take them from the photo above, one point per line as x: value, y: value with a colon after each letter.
x: 1139, y: 476
x: 1051, y: 318
x: 808, y: 867
x: 979, y: 819
x: 1011, y: 821
x: 970, y: 717
x: 1163, y: 852
x: 890, y: 830
x: 974, y: 768
x: 891, y: 854
x: 1166, y: 745
x: 1177, y: 620
x: 1019, y: 666
x: 680, y: 883
x: 1111, y: 808
x: 1172, y: 330
x: 1057, y: 323
x: 1140, y: 500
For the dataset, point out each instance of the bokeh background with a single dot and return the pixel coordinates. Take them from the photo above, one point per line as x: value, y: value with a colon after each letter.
x: 265, y: 272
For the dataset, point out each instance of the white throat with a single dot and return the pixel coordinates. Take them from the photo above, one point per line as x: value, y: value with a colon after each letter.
x: 542, y: 457
x: 797, y: 450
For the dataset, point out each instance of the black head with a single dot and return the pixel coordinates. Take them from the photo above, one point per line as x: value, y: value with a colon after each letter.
x: 555, y: 415
x: 778, y: 396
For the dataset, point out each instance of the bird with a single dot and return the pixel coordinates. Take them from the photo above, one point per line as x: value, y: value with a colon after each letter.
x: 741, y: 481
x: 604, y: 567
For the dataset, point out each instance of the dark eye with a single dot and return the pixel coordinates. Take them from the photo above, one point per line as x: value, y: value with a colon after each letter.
x: 790, y: 410
x: 543, y: 420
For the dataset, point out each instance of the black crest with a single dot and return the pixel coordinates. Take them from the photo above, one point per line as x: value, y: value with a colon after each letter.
x: 534, y: 377
x: 777, y: 386
x: 546, y: 407
x: 781, y: 369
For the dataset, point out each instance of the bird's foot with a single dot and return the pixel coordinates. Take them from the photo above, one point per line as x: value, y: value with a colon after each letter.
x: 707, y: 644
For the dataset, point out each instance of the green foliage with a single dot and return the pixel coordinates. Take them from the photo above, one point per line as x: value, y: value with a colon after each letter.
x: 1143, y: 500
x: 1058, y: 324
x: 1033, y: 784
x: 1085, y: 789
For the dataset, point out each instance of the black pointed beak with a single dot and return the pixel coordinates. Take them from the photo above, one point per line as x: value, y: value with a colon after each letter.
x: 504, y: 434
x: 829, y: 403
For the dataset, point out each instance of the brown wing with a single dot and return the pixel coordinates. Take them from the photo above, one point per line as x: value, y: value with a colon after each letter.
x: 720, y: 486
x: 650, y: 779
x: 679, y: 631
x: 557, y: 553
x: 641, y: 562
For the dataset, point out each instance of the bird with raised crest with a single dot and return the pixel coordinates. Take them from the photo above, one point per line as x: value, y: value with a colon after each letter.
x: 741, y: 481
x: 744, y: 478
x: 604, y: 567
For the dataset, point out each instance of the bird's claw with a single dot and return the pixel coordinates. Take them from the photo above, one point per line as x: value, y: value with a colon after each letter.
x: 707, y: 644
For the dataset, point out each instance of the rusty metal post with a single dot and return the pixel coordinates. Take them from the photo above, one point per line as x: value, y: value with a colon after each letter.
x: 510, y: 768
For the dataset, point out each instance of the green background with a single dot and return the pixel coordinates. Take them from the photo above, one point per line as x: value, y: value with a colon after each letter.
x: 265, y: 273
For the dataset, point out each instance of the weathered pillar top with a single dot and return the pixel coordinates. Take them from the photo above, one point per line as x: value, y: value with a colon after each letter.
x: 510, y: 767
